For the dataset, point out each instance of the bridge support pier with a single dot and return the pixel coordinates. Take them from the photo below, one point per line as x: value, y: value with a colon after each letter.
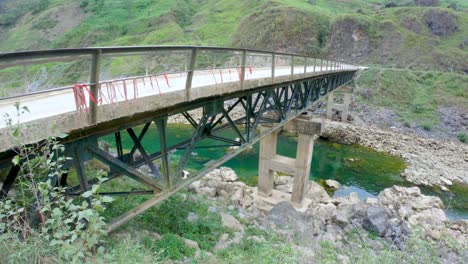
x: 344, y: 108
x: 299, y: 167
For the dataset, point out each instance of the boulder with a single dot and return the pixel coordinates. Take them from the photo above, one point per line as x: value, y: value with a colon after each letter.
x: 397, y: 232
x: 316, y: 193
x: 228, y: 175
x: 283, y: 214
x: 231, y: 222
x: 222, y: 242
x: 376, y: 220
x: 209, y: 191
x: 283, y: 180
x: 429, y: 219
x: 191, y: 244
x: 333, y: 184
x: 323, y: 212
x: 403, y: 202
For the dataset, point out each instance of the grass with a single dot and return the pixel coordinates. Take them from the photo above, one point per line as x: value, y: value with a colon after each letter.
x: 364, y: 247
x: 462, y: 136
x: 414, y: 95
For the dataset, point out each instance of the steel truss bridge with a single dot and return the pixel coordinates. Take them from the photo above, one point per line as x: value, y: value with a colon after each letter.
x: 267, y: 88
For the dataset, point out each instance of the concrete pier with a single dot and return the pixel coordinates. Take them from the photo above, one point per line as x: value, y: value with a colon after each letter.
x: 307, y: 129
x: 343, y: 108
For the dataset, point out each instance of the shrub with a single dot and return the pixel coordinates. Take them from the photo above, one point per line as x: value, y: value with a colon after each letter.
x: 41, y: 221
x: 463, y: 137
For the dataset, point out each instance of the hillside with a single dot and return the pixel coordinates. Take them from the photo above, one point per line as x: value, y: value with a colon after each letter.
x: 394, y: 33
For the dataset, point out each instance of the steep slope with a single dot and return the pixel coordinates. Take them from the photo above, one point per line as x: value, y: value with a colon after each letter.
x: 409, y: 34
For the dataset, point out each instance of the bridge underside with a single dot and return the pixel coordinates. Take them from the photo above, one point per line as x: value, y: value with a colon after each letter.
x: 241, y: 113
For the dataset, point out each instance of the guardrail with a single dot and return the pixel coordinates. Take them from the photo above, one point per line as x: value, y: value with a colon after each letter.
x: 194, y: 58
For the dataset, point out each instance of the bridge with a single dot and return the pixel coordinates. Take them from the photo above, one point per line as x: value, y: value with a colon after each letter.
x: 239, y: 90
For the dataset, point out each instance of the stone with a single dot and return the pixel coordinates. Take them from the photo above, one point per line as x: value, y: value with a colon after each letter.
x: 228, y: 175
x: 371, y: 201
x: 428, y: 219
x: 341, y: 218
x: 209, y: 191
x: 446, y: 181
x: 283, y: 214
x: 222, y: 242
x: 191, y: 244
x: 237, y: 195
x: 237, y: 237
x: 193, y: 187
x: 397, y: 232
x: 212, y: 209
x: 316, y: 193
x: 192, y: 217
x: 256, y: 239
x: 324, y: 212
x: 376, y: 220
x: 231, y: 222
x: 333, y: 184
x: 282, y: 180
x: 223, y: 193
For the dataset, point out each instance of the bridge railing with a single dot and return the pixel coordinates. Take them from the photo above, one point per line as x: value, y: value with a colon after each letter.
x: 113, y: 74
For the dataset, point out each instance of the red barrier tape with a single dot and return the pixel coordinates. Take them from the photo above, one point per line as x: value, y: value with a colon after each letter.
x: 167, y: 80
x: 80, y: 97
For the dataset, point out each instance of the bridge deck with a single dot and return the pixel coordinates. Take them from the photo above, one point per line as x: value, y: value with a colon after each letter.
x: 54, y: 112
x: 125, y: 101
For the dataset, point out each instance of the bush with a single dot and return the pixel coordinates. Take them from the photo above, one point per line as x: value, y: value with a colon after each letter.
x: 463, y: 137
x: 41, y: 221
x: 427, y: 126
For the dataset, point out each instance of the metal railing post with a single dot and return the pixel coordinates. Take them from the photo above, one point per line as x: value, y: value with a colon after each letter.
x: 26, y: 80
x: 305, y: 64
x: 292, y: 65
x: 94, y: 84
x: 188, y: 83
x: 273, y: 64
x: 243, y: 64
x: 321, y: 64
x: 315, y: 63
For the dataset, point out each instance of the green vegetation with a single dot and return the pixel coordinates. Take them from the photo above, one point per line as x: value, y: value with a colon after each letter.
x: 365, y: 247
x: 397, y: 36
x: 414, y: 95
x: 463, y: 137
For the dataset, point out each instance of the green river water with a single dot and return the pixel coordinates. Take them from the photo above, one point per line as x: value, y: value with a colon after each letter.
x: 358, y: 169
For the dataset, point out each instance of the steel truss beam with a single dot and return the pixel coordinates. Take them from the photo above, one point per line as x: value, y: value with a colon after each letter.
x: 275, y: 105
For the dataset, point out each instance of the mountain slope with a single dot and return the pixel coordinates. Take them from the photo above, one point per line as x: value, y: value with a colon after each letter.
x: 357, y: 31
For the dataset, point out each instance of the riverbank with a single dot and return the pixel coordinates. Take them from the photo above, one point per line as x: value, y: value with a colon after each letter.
x: 430, y: 161
x: 400, y: 224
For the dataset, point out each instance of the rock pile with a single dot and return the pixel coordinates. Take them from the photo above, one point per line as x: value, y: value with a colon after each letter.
x: 393, y: 214
x: 223, y: 183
